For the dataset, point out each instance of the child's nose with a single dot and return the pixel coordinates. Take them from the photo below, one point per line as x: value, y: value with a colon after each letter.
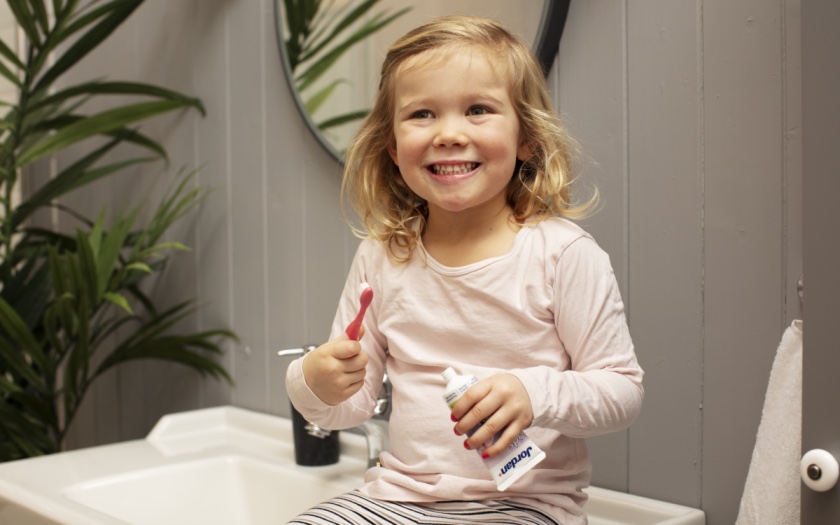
x: 450, y: 132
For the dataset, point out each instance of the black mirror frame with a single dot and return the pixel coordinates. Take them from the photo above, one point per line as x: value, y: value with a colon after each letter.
x: 546, y: 44
x: 551, y: 31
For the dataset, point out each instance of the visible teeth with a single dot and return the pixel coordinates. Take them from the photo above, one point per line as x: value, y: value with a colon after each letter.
x: 453, y: 169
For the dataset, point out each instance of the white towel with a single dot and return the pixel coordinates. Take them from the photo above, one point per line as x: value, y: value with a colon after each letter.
x: 771, y: 493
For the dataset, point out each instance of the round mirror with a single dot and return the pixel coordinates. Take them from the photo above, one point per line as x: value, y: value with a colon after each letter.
x: 332, y: 50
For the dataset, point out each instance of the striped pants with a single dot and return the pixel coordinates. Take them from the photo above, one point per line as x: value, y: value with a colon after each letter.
x: 354, y: 508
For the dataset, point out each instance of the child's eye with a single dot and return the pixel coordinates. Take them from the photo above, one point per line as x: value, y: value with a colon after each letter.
x: 422, y: 113
x: 478, y: 110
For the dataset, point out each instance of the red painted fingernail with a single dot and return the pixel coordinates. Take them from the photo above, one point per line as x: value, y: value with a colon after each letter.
x: 485, y: 455
x: 456, y: 432
x: 453, y: 418
x: 466, y: 445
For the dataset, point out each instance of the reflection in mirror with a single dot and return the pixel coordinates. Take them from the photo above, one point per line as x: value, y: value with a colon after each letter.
x: 332, y: 50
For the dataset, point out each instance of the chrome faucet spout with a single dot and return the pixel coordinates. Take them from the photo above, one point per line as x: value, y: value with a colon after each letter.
x: 383, y: 400
x: 376, y: 433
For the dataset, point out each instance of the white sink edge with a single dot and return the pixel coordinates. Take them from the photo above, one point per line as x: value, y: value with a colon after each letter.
x: 680, y: 514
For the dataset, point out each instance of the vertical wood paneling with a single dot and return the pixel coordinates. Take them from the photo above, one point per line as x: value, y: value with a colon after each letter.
x: 589, y: 84
x: 665, y: 225
x: 247, y: 189
x: 743, y: 257
x: 324, y: 235
x: 287, y: 146
x: 210, y: 63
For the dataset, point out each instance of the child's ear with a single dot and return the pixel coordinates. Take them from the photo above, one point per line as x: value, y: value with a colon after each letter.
x: 524, y: 151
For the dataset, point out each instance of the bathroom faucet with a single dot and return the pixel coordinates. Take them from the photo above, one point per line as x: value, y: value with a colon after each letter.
x: 375, y: 429
x: 376, y: 435
x: 383, y: 401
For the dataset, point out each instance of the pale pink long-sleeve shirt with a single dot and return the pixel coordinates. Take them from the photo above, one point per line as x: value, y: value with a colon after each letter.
x: 549, y: 312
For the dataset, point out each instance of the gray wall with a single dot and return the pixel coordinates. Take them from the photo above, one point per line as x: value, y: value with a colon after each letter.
x: 689, y: 113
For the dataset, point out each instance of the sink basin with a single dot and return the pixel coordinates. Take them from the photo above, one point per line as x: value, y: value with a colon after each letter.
x: 220, y: 490
x: 220, y: 466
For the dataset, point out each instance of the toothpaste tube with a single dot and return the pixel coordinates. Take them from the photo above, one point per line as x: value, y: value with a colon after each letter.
x: 521, y: 455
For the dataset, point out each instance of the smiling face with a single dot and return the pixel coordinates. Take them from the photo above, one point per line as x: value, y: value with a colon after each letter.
x: 456, y: 132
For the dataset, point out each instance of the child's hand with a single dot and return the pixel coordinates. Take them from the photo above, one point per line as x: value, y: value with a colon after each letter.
x: 501, y: 403
x: 336, y: 370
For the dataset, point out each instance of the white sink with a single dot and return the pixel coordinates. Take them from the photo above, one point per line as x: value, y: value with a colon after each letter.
x: 220, y: 466
x: 219, y: 490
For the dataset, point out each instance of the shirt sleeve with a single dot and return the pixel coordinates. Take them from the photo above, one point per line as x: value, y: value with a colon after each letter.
x: 360, y: 406
x: 602, y: 391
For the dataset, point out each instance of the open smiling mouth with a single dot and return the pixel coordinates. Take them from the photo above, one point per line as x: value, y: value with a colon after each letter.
x: 453, y: 169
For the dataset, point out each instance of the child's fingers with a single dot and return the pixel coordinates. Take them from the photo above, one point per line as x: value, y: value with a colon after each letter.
x: 499, y: 406
x: 488, y: 418
x: 343, y: 348
x: 504, y: 441
x: 463, y: 408
x: 336, y: 370
x: 352, y: 382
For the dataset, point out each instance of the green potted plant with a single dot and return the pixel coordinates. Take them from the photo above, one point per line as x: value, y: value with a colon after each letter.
x: 72, y: 305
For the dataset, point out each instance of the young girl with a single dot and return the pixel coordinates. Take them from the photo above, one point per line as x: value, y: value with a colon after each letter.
x: 461, y: 175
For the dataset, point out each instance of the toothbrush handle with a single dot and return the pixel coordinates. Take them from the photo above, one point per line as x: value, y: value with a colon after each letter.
x: 354, y: 327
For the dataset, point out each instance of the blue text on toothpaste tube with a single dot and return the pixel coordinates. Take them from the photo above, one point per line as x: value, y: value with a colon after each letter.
x: 520, y: 457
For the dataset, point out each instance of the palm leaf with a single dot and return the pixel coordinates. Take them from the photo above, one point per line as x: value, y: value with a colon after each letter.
x: 7, y: 53
x: 21, y: 435
x: 68, y: 22
x: 177, y: 349
x: 29, y: 289
x: 21, y: 338
x: 39, y: 11
x: 343, y: 119
x: 149, y: 341
x: 118, y: 300
x: 104, y: 122
x: 26, y: 20
x: 9, y: 75
x: 117, y: 88
x: 75, y: 176
x: 118, y: 11
x: 347, y: 21
x: 314, y: 72
x: 176, y: 203
x: 37, y: 406
x: 317, y: 100
x: 33, y: 133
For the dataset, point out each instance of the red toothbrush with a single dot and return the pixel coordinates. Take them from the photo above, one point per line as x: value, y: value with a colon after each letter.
x: 365, y: 297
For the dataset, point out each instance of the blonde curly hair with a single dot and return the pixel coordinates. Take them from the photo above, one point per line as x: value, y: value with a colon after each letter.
x: 389, y: 210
